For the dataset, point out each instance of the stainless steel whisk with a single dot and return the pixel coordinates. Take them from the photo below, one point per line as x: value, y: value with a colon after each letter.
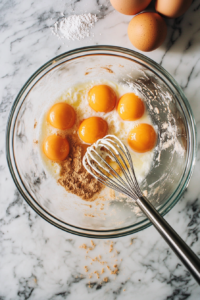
x: 124, y: 180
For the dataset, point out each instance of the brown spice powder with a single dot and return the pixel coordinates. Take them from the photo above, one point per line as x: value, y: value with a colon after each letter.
x: 73, y: 176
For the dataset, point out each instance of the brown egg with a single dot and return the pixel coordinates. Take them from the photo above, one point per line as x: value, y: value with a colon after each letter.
x: 172, y: 8
x: 130, y: 7
x: 147, y: 31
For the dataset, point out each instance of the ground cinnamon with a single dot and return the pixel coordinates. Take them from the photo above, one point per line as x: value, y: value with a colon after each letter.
x: 73, y: 176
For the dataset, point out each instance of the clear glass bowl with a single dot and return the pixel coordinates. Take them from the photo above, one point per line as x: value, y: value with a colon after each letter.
x: 174, y: 156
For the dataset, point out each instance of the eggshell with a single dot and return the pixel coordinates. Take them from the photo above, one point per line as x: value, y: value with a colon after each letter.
x: 147, y: 31
x: 172, y: 8
x: 130, y: 7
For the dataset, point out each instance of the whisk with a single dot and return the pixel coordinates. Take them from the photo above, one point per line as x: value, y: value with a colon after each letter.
x: 110, y: 162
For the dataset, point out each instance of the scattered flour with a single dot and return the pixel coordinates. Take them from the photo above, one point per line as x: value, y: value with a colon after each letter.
x: 74, y: 27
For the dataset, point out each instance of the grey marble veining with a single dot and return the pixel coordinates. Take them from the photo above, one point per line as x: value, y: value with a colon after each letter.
x: 38, y: 261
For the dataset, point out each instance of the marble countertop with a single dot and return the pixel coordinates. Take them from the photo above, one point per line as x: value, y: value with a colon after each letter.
x: 39, y: 261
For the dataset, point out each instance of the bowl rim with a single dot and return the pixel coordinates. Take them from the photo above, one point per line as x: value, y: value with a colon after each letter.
x: 91, y: 233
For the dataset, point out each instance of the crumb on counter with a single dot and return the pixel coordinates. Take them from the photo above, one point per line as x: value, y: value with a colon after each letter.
x: 92, y: 243
x: 96, y: 272
x: 132, y: 240
x: 86, y: 269
x: 116, y: 270
x: 95, y: 259
x: 83, y: 246
x: 111, y: 266
x: 111, y: 247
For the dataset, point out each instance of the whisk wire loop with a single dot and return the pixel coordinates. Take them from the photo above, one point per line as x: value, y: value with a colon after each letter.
x: 116, y: 175
x: 126, y: 153
x: 120, y: 165
x: 118, y: 186
x: 95, y: 163
x: 125, y: 170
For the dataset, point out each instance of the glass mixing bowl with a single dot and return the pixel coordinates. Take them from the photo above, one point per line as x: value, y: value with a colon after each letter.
x: 174, y: 154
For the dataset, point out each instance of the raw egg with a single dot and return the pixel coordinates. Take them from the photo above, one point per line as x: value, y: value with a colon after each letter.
x: 130, y: 7
x: 102, y: 98
x: 92, y: 129
x: 142, y: 138
x: 147, y: 31
x: 61, y: 116
x: 172, y: 8
x: 56, y: 148
x: 130, y: 107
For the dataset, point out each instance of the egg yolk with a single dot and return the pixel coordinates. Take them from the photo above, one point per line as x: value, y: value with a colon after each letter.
x: 130, y: 107
x: 56, y: 148
x: 142, y: 138
x: 61, y: 116
x: 92, y: 129
x: 102, y: 98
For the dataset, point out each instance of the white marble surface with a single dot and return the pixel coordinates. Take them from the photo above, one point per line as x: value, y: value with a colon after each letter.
x: 37, y: 260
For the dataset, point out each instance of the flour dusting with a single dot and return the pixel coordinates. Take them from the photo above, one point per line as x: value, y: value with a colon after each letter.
x: 75, y: 27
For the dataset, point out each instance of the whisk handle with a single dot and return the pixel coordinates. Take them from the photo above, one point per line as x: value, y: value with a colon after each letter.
x: 186, y: 255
